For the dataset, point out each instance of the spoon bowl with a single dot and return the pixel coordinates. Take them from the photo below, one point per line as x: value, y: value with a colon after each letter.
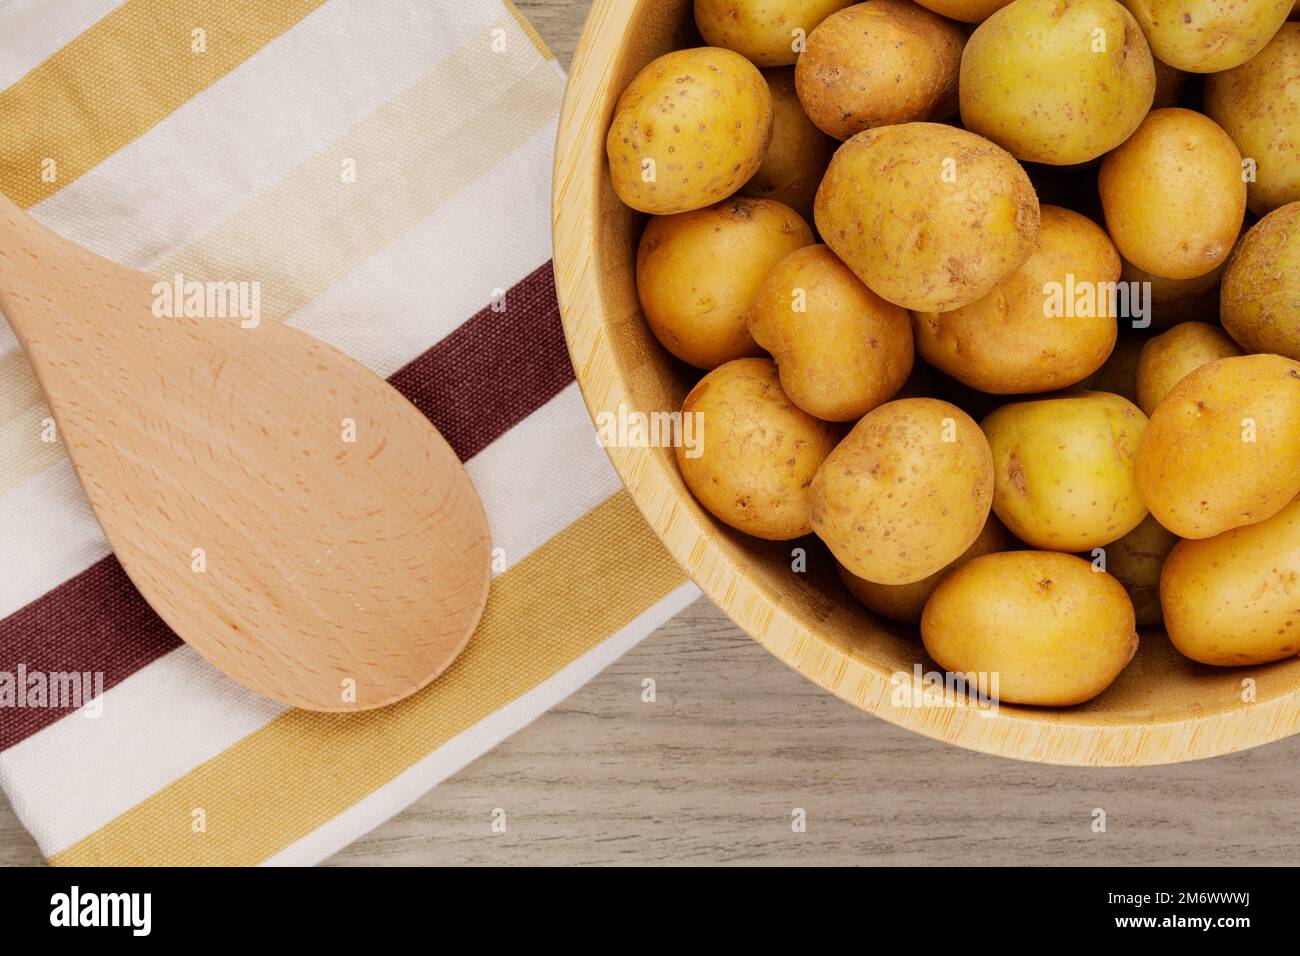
x: 285, y: 511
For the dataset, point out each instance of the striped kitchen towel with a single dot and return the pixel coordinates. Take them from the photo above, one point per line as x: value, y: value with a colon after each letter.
x: 382, y: 168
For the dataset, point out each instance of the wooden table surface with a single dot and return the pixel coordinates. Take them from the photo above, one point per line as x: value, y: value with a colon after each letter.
x: 735, y: 743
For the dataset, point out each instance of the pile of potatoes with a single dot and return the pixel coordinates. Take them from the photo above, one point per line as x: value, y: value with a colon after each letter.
x: 1001, y: 300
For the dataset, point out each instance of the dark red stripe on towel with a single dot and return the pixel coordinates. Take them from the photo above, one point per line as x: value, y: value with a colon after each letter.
x: 494, y: 370
x: 474, y: 385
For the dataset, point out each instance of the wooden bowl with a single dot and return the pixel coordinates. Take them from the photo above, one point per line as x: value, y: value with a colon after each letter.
x: 1164, y: 708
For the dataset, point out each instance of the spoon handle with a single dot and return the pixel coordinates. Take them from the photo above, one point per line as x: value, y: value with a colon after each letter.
x: 47, y: 282
x: 15, y: 243
x: 28, y: 251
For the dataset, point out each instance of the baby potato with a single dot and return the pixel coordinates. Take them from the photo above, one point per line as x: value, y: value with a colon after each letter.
x: 1258, y: 105
x: 968, y: 11
x: 759, y: 452
x: 765, y: 32
x: 690, y: 130
x: 1167, y: 359
x: 1135, y: 561
x: 1234, y: 599
x: 1172, y: 301
x: 1259, y: 303
x: 1034, y: 81
x: 840, y: 348
x: 1223, y: 448
x: 799, y: 154
x: 1206, y: 36
x: 1173, y: 194
x: 1004, y: 343
x: 929, y: 216
x: 1053, y: 630
x: 1065, y: 469
x: 906, y: 491
x: 905, y: 602
x: 878, y: 63
x: 696, y: 273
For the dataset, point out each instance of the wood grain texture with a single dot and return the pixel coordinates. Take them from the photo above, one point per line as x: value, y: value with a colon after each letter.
x: 559, y: 22
x: 710, y: 772
x: 283, y: 509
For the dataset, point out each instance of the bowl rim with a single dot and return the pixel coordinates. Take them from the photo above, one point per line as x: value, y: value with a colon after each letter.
x: 1065, y: 737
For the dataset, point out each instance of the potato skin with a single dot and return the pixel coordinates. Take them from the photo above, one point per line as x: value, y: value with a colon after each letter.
x: 1032, y: 82
x: 1234, y: 599
x: 1173, y: 194
x: 1135, y: 561
x: 798, y: 155
x: 917, y: 240
x: 759, y: 452
x: 1197, y: 472
x: 847, y: 352
x: 906, y: 491
x: 905, y: 602
x: 1055, y: 631
x: 696, y: 273
x: 1065, y: 469
x: 704, y: 116
x: 1261, y: 286
x: 876, y: 64
x: 1258, y: 105
x: 1003, y: 343
x: 1206, y: 36
x: 762, y: 31
x: 967, y: 11
x: 1168, y: 358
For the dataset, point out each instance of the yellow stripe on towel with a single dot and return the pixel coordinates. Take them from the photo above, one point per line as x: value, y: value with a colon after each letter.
x: 300, y: 236
x: 120, y: 78
x: 305, y: 768
x: 304, y: 233
x: 529, y: 29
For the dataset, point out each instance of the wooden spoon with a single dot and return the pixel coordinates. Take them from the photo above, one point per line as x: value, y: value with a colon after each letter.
x: 288, y: 513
